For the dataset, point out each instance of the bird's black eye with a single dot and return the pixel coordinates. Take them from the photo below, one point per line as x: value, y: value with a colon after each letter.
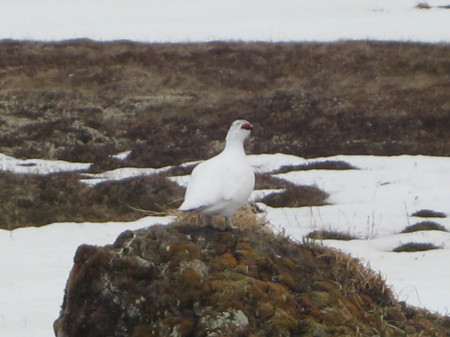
x: 247, y: 126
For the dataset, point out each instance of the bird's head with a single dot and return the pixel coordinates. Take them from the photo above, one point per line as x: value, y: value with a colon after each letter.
x: 239, y: 130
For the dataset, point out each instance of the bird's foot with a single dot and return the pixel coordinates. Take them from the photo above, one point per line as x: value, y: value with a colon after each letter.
x: 219, y: 228
x: 227, y: 228
x: 208, y: 223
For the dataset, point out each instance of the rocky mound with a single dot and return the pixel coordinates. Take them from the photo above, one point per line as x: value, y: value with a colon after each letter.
x: 190, y: 281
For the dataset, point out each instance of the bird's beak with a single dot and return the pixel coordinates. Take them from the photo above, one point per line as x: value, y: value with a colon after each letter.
x: 247, y: 126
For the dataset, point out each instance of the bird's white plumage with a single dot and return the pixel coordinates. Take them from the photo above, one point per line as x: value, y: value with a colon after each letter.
x: 222, y: 185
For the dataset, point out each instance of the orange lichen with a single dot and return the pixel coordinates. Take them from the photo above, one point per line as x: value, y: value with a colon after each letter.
x: 265, y: 310
x: 284, y: 319
x: 286, y: 280
x: 191, y: 276
x: 229, y: 259
x: 286, y: 263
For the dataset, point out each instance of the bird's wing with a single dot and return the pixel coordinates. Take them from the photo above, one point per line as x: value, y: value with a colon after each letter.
x: 241, y: 182
x: 206, y: 186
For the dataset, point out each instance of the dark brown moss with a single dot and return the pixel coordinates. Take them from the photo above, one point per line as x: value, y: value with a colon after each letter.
x: 320, y: 165
x: 298, y: 196
x: 424, y: 226
x: 428, y: 213
x: 32, y: 200
x: 292, y: 195
x: 415, y: 247
x: 86, y: 100
x: 329, y: 235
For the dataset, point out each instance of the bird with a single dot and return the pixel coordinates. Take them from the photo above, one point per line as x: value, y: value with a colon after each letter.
x: 222, y: 184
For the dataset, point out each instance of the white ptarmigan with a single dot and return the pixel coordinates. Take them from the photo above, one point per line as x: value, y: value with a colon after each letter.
x: 222, y: 184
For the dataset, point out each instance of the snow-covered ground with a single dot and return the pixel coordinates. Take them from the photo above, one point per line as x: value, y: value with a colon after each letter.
x: 206, y: 20
x: 39, y: 166
x: 373, y: 203
x: 35, y: 265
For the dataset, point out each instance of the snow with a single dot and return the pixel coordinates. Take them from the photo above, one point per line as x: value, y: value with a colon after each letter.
x: 35, y: 264
x: 373, y: 202
x: 122, y: 155
x: 206, y: 20
x: 39, y: 166
x: 264, y: 163
x: 119, y: 174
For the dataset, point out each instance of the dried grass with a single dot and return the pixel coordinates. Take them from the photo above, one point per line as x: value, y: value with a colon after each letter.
x: 246, y: 219
x: 357, y: 278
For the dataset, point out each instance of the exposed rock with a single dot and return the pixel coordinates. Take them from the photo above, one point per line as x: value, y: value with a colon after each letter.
x: 182, y: 281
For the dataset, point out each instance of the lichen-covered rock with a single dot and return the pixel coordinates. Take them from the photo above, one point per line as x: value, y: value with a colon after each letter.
x: 187, y: 281
x: 229, y: 322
